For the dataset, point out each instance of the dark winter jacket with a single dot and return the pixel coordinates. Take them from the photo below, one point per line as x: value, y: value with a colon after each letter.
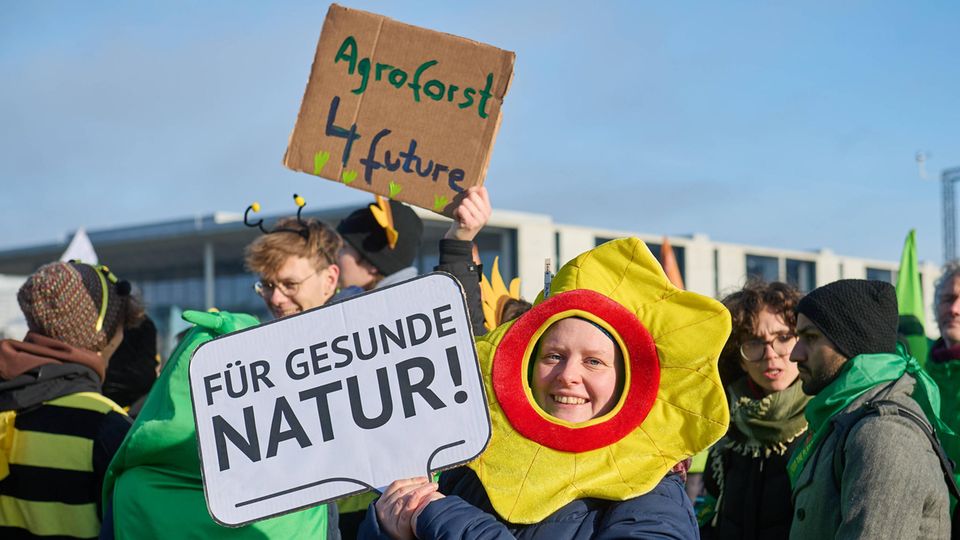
x: 465, y: 513
x: 757, y: 501
x: 55, y: 403
x: 746, y: 472
x: 456, y: 257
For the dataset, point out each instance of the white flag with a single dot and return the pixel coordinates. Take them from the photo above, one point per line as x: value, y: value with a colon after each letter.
x: 80, y: 249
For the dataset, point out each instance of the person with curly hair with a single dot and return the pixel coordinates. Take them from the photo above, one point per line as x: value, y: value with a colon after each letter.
x: 745, y: 476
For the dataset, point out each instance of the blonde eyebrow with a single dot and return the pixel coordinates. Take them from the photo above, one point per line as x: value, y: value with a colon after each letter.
x: 595, y: 353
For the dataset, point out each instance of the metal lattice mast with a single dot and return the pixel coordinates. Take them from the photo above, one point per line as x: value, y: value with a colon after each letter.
x: 948, y: 178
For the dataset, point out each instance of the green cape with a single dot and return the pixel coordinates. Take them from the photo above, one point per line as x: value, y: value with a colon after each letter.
x: 947, y: 377
x: 154, y: 483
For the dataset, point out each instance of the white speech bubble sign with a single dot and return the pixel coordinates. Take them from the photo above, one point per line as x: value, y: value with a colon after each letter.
x: 338, y: 400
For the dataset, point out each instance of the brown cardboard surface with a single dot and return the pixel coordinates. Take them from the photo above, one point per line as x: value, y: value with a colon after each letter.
x: 439, y: 92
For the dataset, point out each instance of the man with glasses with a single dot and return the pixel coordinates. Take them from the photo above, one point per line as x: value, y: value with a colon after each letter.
x: 297, y: 265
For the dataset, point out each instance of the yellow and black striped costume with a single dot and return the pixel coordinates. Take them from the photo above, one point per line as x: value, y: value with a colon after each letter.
x: 52, y: 460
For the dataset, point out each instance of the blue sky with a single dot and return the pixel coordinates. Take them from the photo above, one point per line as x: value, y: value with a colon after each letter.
x: 783, y: 124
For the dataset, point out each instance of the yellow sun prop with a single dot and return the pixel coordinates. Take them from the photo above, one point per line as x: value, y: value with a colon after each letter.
x: 495, y: 294
x: 672, y: 407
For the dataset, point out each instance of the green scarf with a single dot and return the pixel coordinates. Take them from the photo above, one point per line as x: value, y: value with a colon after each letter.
x: 764, y: 426
x: 758, y: 428
x: 856, y: 377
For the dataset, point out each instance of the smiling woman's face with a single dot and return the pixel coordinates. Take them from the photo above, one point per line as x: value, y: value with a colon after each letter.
x: 577, y: 372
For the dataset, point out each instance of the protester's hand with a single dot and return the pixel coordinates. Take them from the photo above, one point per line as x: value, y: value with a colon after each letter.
x: 400, y: 502
x: 470, y: 215
x: 436, y: 495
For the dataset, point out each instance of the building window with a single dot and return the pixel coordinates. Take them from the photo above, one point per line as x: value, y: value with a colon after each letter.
x: 763, y: 267
x: 492, y: 242
x: 880, y: 274
x: 802, y: 274
x: 598, y: 240
x: 235, y: 293
x: 678, y: 253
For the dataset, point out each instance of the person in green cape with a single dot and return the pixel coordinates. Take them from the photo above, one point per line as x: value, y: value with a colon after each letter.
x: 859, y: 475
x: 943, y: 363
x: 153, y: 488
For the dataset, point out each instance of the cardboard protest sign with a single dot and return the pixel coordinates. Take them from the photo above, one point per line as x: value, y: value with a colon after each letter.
x: 338, y: 400
x: 399, y: 111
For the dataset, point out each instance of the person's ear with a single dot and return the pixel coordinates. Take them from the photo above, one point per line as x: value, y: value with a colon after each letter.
x: 332, y: 277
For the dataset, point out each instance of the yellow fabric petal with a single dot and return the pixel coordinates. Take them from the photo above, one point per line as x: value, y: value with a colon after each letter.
x: 515, y: 288
x: 526, y: 481
x: 494, y: 293
x: 499, y: 288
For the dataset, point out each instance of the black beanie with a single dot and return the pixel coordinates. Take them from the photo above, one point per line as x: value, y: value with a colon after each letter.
x: 858, y: 316
x: 362, y: 231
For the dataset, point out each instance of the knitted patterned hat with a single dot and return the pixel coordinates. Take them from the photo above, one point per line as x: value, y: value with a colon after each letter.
x: 858, y: 316
x: 361, y: 230
x: 63, y: 301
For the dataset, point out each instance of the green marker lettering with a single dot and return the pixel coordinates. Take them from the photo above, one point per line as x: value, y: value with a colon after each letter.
x: 381, y: 68
x: 364, y: 68
x: 485, y: 95
x: 348, y: 44
x: 415, y: 84
x: 397, y: 78
x: 468, y: 97
x: 434, y: 90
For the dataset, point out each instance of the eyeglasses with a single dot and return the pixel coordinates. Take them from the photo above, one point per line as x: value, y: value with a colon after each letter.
x: 754, y: 350
x: 287, y: 288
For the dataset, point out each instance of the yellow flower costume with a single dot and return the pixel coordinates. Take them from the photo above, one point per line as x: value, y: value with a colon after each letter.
x: 672, y: 406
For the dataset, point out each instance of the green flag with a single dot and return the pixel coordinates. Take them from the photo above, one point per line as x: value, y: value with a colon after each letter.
x: 910, y: 301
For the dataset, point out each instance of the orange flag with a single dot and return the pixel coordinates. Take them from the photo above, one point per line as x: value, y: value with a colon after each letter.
x: 669, y: 262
